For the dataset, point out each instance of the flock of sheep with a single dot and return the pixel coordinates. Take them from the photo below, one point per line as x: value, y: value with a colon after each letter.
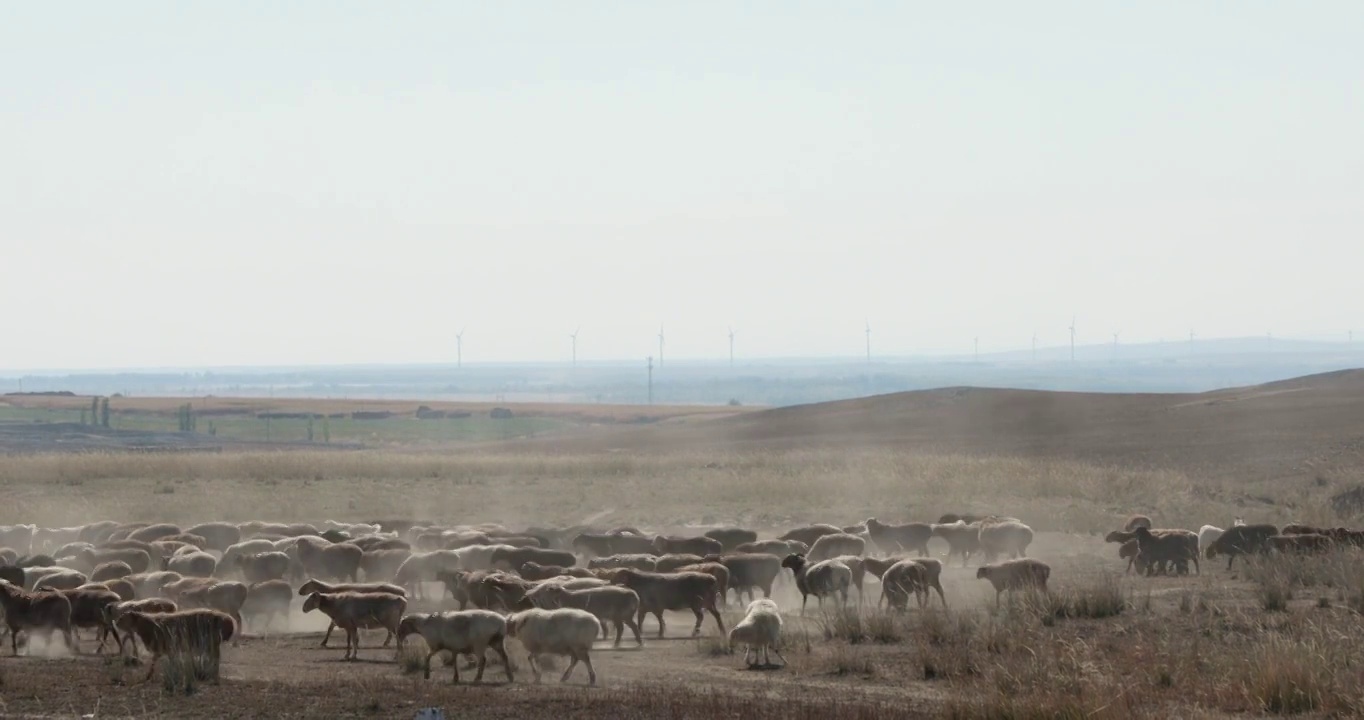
x: 185, y: 591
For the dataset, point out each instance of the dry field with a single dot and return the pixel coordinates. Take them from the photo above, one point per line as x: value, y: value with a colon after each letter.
x: 1281, y: 636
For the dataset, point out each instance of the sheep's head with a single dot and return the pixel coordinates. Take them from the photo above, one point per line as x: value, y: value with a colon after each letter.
x: 795, y: 561
x: 1117, y: 536
x: 411, y: 624
x: 983, y: 572
x: 1142, y: 533
x: 313, y: 602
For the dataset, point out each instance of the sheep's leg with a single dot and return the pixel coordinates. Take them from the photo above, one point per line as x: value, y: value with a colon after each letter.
x: 151, y: 667
x: 482, y: 664
x: 938, y: 586
x: 14, y: 640
x: 620, y: 630
x: 659, y: 615
x: 634, y: 627
x: 606, y: 630
x: 718, y: 621
x: 591, y: 673
x: 572, y: 663
x: 389, y: 637
x: 426, y: 670
x: 700, y: 617
x: 530, y: 659
x: 331, y: 625
x: 501, y: 649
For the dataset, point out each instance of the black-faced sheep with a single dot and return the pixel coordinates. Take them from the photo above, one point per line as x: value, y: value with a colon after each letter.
x: 1241, y: 540
x: 827, y: 577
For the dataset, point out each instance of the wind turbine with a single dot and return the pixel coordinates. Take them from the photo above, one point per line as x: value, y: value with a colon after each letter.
x: 1191, y: 338
x: 1115, y: 347
x: 1072, y: 338
x: 459, y: 349
x: 660, y: 347
x: 1034, y: 346
x: 574, y: 338
x: 868, y: 342
x: 731, y: 346
x: 975, y: 353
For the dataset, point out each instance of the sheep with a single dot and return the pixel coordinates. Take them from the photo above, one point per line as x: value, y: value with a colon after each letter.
x: 1241, y: 540
x: 810, y: 533
x: 831, y: 546
x: 340, y: 561
x: 52, y: 538
x: 645, y: 563
x: 317, y: 586
x: 36, y: 561
x: 511, y: 558
x: 450, y: 540
x: 1131, y: 552
x: 261, y: 567
x: 591, y: 544
x: 497, y: 590
x: 466, y: 631
x: 610, y: 603
x: 715, y: 570
x: 139, y: 560
x: 49, y: 612
x: 152, y: 583
x: 672, y: 561
x: 375, y: 542
x: 700, y: 546
x: 1012, y: 575
x: 672, y: 591
x: 149, y: 605
x: 932, y: 577
x: 18, y: 537
x: 119, y: 586
x: 382, y: 565
x: 71, y: 550
x: 1173, y: 546
x: 8, y: 556
x: 424, y: 567
x: 1135, y: 522
x: 269, y: 599
x: 198, y: 633
x: 13, y: 574
x: 822, y: 578
x: 228, y: 562
x: 731, y: 537
x: 217, y: 535
x: 352, y: 611
x: 748, y: 571
x: 225, y: 597
x: 899, y: 580
x: 1010, y: 538
x: 1149, y: 564
x: 891, y: 538
x: 1301, y: 543
x: 88, y: 605
x: 776, y: 548
x: 859, y: 572
x: 535, y: 571
x: 1206, y: 535
x: 57, y: 579
x: 123, y: 530
x: 111, y: 570
x: 760, y: 632
x: 195, y: 563
x: 565, y: 631
x: 154, y: 532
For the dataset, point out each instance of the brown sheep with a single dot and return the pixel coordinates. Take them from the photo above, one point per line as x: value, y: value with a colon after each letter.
x: 833, y: 545
x: 154, y: 532
x: 1175, y: 547
x: 225, y: 597
x: 382, y: 565
x: 119, y: 586
x: 672, y: 591
x: 340, y: 561
x: 183, y: 632
x: 810, y: 533
x: 1301, y: 543
x: 535, y: 571
x: 352, y: 611
x: 646, y: 563
x: 900, y: 580
x: 715, y: 570
x: 261, y: 567
x: 748, y: 571
x: 191, y: 564
x: 512, y: 558
x: 699, y: 546
x: 672, y: 561
x: 614, y: 604
x: 1012, y: 575
x: 900, y: 538
x: 111, y: 570
x: 823, y: 578
x: 137, y: 559
x: 732, y: 537
x: 88, y: 610
x: 48, y: 612
x: 268, y: 599
x: 317, y: 586
x: 217, y: 535
x: 776, y: 548
x: 152, y: 583
x: 1242, y: 540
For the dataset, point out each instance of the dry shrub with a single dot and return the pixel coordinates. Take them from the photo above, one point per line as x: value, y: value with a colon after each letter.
x: 855, y: 625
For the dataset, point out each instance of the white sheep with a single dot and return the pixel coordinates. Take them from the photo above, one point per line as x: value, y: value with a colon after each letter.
x: 463, y: 631
x: 759, y: 631
x: 566, y: 631
x: 1011, y: 575
x: 1206, y: 536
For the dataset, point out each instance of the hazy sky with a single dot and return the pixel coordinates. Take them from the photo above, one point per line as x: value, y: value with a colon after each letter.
x: 322, y: 182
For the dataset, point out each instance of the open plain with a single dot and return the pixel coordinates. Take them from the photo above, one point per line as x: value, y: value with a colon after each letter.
x: 1276, y: 635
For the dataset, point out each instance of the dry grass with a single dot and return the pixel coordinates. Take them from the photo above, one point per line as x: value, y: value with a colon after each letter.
x: 764, y: 489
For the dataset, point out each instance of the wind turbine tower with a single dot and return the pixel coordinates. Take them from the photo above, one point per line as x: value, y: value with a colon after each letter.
x: 1072, y: 338
x: 731, y: 347
x: 1034, y: 347
x: 975, y: 352
x: 660, y: 347
x: 459, y: 349
x: 868, y: 342
x: 1115, y: 347
x: 574, y: 337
